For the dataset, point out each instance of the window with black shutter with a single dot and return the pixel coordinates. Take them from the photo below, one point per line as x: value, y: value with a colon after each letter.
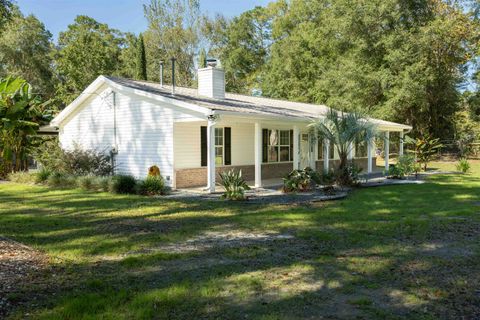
x: 228, y: 146
x: 222, y: 143
x: 203, y: 146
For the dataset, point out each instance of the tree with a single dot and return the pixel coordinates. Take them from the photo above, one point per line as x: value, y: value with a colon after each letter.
x: 343, y: 130
x: 245, y: 48
x: 141, y: 60
x: 399, y: 60
x: 173, y: 31
x: 202, y: 59
x: 21, y: 114
x: 5, y: 11
x: 86, y: 50
x: 128, y: 57
x: 26, y: 52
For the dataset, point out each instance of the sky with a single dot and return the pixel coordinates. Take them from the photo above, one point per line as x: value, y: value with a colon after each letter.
x: 124, y: 15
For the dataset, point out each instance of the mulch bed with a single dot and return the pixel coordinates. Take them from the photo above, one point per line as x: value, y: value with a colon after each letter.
x: 20, y: 266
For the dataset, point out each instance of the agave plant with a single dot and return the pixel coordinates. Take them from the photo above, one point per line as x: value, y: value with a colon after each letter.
x: 343, y: 129
x: 234, y: 185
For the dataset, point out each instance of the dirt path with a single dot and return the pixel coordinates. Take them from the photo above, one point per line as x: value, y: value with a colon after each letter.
x: 19, y: 266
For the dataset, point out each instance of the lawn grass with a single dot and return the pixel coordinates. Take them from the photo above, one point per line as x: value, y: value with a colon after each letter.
x: 409, y: 251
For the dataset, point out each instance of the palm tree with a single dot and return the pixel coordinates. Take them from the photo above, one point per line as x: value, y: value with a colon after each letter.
x: 343, y: 130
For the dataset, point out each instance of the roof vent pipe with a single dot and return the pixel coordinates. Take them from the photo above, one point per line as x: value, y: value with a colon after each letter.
x: 161, y: 74
x: 173, y: 75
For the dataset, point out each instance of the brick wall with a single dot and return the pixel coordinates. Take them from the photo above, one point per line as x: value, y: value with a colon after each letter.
x: 361, y: 162
x: 197, y: 177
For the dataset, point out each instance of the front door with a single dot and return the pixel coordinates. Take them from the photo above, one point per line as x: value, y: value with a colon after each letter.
x: 304, y: 151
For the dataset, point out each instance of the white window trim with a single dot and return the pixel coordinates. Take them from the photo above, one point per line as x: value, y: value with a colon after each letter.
x: 279, y: 145
x: 222, y: 145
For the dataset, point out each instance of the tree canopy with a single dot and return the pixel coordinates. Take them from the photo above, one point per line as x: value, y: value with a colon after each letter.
x: 410, y: 61
x: 86, y: 50
x: 26, y: 50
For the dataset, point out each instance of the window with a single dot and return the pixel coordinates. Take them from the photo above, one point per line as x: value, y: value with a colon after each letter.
x: 320, y: 149
x: 331, y: 150
x: 278, y: 145
x: 222, y: 143
x: 219, y: 146
x: 360, y: 148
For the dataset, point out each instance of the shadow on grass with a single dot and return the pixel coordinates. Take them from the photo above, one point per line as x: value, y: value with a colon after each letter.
x: 398, y: 251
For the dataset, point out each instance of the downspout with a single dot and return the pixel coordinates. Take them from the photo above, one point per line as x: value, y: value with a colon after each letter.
x: 114, y: 150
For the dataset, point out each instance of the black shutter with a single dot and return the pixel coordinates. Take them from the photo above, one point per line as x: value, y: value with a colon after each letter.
x: 291, y: 145
x: 265, y: 145
x: 228, y: 145
x: 203, y: 146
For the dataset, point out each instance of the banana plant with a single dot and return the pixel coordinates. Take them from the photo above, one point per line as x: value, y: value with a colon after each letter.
x: 21, y: 115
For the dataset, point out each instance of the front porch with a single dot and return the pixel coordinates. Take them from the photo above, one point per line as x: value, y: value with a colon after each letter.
x: 265, y: 151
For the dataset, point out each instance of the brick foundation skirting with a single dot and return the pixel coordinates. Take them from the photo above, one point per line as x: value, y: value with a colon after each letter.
x: 361, y: 162
x: 197, y: 177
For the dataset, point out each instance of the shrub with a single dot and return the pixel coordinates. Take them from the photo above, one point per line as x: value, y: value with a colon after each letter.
x: 349, y: 176
x: 21, y: 177
x: 74, y: 162
x: 123, y: 184
x: 102, y: 183
x: 300, y: 180
x: 327, y: 178
x: 61, y: 180
x: 86, y: 182
x: 154, y: 171
x: 406, y: 165
x: 42, y: 175
x: 463, y: 165
x: 425, y: 148
x: 152, y: 185
x: 234, y: 185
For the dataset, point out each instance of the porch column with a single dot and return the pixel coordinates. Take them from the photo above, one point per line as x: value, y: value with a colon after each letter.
x: 296, y: 148
x: 400, y: 150
x: 387, y: 149
x: 369, y: 156
x: 211, y: 155
x: 314, y: 151
x: 350, y: 151
x: 258, y: 155
x: 326, y: 155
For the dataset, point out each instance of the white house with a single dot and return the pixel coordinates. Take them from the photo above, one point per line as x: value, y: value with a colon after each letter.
x: 192, y: 135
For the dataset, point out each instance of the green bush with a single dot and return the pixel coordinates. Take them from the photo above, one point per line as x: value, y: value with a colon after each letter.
x: 42, y: 175
x: 78, y: 161
x: 21, y: 177
x: 327, y: 178
x: 463, y: 165
x: 349, y: 176
x: 122, y: 184
x: 61, y: 180
x: 301, y: 180
x: 234, y: 185
x: 152, y: 185
x: 102, y: 183
x: 86, y: 182
x: 406, y: 165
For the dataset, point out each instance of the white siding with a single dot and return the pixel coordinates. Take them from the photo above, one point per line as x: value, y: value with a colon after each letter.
x: 211, y: 82
x: 92, y: 127
x: 187, y: 144
x: 144, y: 132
